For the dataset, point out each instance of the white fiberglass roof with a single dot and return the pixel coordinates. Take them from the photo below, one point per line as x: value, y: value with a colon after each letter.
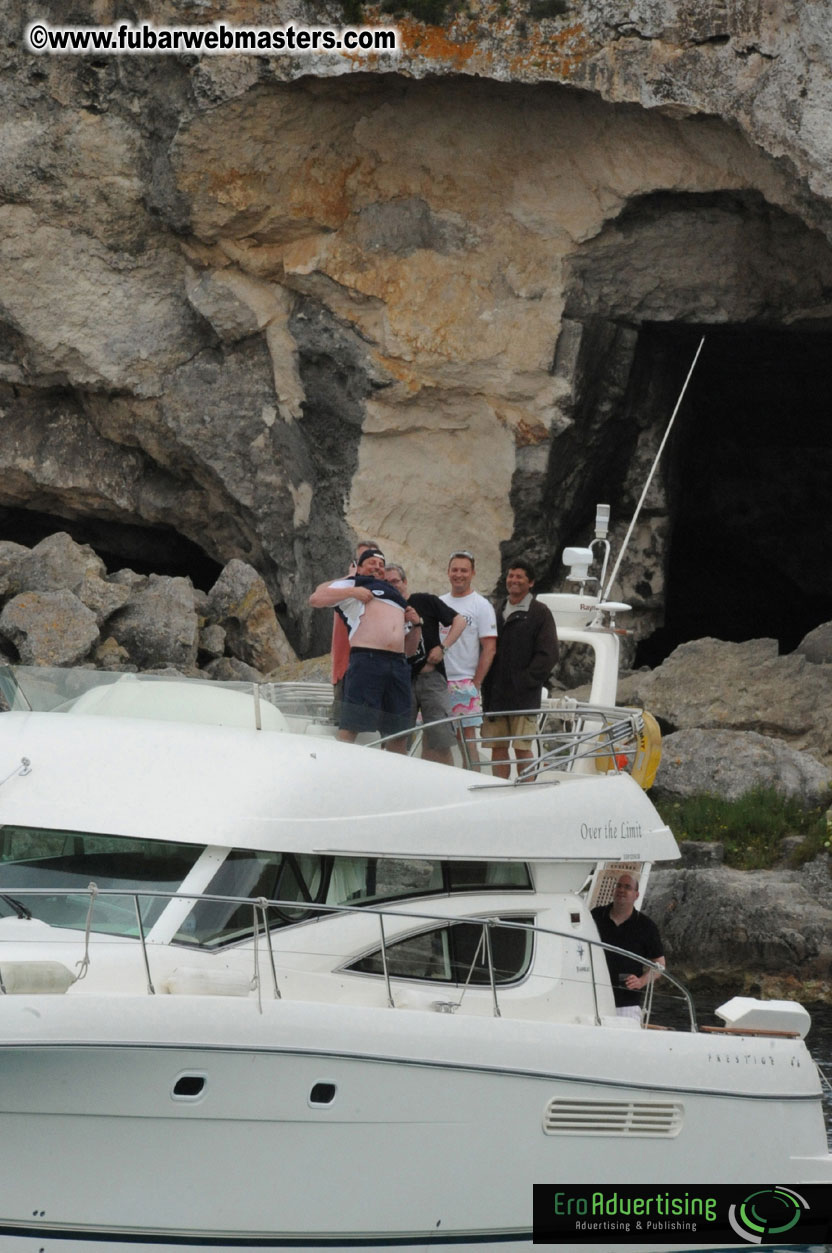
x: 244, y: 788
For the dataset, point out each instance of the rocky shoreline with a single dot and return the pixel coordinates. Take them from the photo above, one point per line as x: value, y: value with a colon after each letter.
x: 757, y: 932
x: 62, y: 608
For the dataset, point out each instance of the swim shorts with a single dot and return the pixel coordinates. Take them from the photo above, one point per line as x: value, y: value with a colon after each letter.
x: 377, y: 692
x: 465, y: 701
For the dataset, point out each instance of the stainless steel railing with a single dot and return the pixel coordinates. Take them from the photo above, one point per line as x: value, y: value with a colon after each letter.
x: 261, y: 932
x: 564, y: 735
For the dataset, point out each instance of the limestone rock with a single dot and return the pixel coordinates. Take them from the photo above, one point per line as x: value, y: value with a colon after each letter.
x: 102, y: 596
x: 11, y: 555
x: 159, y: 626
x: 239, y: 601
x: 308, y: 670
x: 109, y: 655
x: 711, y: 684
x: 10, y: 552
x: 128, y: 578
x: 232, y: 669
x: 127, y: 340
x: 58, y: 563
x: 817, y: 645
x: 212, y: 641
x: 730, y: 763
x: 217, y: 301
x: 701, y: 853
x: 731, y: 923
x: 277, y: 302
x: 49, y: 628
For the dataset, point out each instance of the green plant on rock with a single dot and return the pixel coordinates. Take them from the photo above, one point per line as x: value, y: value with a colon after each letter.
x: 750, y: 828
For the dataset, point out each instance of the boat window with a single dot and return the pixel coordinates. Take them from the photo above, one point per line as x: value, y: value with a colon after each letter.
x: 360, y: 880
x: 312, y: 880
x: 455, y: 953
x: 33, y: 857
x: 276, y: 876
x: 470, y: 876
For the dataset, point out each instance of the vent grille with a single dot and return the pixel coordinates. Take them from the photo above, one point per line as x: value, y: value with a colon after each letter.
x: 613, y: 1118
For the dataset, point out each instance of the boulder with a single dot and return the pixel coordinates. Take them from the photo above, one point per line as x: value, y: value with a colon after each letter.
x: 712, y: 684
x: 240, y: 603
x: 308, y: 670
x: 109, y: 655
x: 128, y: 578
x: 11, y: 555
x: 738, y: 925
x: 101, y: 596
x: 212, y: 641
x: 817, y: 645
x: 49, y: 628
x: 701, y: 852
x: 159, y: 626
x: 57, y: 562
x: 730, y: 763
x: 231, y: 669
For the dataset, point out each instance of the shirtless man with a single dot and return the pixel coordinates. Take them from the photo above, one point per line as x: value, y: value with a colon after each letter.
x: 377, y: 684
x: 340, y: 647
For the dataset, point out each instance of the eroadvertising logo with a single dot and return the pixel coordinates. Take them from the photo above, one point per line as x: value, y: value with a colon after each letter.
x: 767, y: 1213
x: 678, y: 1214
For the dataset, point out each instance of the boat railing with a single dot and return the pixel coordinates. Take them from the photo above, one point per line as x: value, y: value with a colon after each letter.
x: 262, y: 936
x: 566, y: 732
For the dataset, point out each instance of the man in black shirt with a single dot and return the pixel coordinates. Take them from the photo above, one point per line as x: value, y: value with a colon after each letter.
x: 430, y: 688
x: 621, y: 924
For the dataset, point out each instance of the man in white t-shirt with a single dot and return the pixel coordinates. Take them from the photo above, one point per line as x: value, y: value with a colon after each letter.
x: 468, y: 660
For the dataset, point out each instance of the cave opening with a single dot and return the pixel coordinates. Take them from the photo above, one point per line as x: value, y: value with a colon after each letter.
x: 746, y: 475
x: 144, y: 549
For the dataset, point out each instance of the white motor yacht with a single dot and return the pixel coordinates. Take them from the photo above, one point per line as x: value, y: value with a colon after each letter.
x: 264, y: 990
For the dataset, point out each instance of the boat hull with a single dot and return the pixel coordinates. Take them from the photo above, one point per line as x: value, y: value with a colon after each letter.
x: 128, y: 1136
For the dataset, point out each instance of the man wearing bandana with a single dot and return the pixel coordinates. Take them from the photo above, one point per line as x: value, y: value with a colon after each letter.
x: 377, y: 694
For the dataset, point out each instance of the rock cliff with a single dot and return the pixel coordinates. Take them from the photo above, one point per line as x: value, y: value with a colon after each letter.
x: 258, y: 305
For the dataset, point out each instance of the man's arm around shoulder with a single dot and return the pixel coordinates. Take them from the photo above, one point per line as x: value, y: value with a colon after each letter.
x: 327, y: 595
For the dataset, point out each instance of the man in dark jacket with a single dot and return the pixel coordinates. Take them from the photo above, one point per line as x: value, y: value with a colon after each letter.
x: 527, y: 649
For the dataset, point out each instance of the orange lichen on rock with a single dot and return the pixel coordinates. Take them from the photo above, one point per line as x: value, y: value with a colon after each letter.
x: 528, y: 433
x: 320, y: 189
x: 553, y: 53
x: 434, y: 43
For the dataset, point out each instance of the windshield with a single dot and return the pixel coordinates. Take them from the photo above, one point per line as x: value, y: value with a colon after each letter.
x: 32, y: 857
x: 69, y: 861
x: 270, y: 876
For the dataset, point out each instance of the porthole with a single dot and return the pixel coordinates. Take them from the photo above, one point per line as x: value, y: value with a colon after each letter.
x: 323, y: 1093
x: 189, y: 1087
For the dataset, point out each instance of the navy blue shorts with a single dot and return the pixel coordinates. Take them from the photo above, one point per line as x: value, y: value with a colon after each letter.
x: 377, y: 695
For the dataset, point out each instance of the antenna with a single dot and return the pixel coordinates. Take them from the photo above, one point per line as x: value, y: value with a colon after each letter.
x: 653, y: 468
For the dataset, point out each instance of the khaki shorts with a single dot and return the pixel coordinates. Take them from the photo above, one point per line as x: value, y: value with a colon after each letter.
x: 430, y: 692
x: 521, y: 727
